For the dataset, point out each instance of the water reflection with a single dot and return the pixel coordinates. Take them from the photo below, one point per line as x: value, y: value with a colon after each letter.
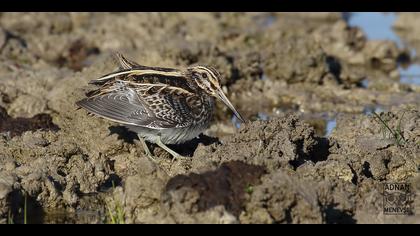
x: 411, y: 75
x: 379, y: 26
x: 236, y: 122
x: 331, y: 124
x: 376, y: 25
x: 368, y: 110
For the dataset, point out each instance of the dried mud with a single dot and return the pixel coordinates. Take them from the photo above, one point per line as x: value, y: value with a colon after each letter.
x: 287, y: 73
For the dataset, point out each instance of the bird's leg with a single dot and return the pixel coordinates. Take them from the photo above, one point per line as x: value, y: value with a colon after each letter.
x: 146, y: 149
x: 172, y: 152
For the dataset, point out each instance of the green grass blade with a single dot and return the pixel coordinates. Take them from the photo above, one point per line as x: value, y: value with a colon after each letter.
x: 25, y: 211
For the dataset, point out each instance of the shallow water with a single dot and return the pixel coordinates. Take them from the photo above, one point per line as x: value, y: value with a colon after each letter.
x: 331, y: 124
x: 411, y: 75
x: 376, y: 26
x: 236, y: 122
x: 379, y: 26
x: 370, y: 109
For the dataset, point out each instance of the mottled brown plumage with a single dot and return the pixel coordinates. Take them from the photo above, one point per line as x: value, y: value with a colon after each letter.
x: 163, y: 105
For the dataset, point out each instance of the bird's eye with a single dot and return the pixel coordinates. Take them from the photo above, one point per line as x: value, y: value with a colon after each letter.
x: 204, y: 75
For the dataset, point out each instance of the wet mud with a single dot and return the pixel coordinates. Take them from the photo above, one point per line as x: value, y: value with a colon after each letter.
x: 289, y: 74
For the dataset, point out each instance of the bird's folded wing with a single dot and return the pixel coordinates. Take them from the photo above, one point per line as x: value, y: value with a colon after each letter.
x: 124, y: 107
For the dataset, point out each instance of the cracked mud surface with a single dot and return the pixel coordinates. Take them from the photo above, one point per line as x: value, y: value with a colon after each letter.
x: 284, y: 72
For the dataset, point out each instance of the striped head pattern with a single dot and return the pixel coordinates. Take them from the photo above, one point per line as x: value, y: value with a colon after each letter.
x: 208, y: 79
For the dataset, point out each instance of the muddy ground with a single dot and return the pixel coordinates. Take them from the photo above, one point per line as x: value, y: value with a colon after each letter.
x: 287, y: 73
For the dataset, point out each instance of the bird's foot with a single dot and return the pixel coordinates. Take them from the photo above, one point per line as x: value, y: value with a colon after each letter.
x: 151, y: 157
x: 147, y: 150
x: 175, y: 155
x: 178, y: 157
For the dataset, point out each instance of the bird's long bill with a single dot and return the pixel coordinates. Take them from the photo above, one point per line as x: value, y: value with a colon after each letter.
x: 226, y: 101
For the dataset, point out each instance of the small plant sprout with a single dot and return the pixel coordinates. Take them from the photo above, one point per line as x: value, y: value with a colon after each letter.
x: 116, y: 213
x: 25, y: 221
x: 10, y: 217
x: 396, y: 133
x: 249, y: 189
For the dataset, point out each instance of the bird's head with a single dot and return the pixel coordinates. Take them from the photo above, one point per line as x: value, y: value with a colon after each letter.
x: 208, y: 79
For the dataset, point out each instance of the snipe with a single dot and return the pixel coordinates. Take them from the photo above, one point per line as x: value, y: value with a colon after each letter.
x: 162, y: 105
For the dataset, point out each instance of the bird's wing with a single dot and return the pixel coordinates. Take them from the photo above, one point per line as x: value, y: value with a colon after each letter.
x: 147, y: 105
x: 130, y: 69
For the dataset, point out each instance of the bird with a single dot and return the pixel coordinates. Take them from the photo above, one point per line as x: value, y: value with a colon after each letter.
x: 162, y: 105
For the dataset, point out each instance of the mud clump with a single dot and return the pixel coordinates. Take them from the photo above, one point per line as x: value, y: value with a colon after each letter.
x: 226, y: 186
x: 373, y: 151
x: 279, y: 142
x: 77, y: 55
x: 16, y: 126
x: 283, y: 198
